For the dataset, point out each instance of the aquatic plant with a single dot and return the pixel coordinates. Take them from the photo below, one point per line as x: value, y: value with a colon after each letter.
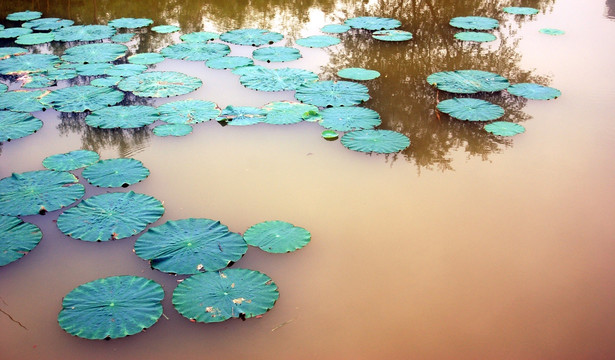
x: 277, y: 236
x: 115, y: 172
x: 17, y: 238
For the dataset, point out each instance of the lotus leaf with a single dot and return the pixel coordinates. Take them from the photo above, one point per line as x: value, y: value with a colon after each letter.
x: 335, y: 28
x: 549, y: 31
x: 504, y: 128
x: 284, y: 112
x: 3, y: 88
x: 125, y: 70
x: 188, y: 111
x: 165, y: 29
x: 378, y: 141
x: 254, y: 37
x: 520, y: 10
x: 27, y: 63
x: 71, y: 160
x: 122, y: 38
x: 9, y: 33
x: 17, y: 238
x: 265, y: 79
x: 470, y: 109
x: 130, y: 23
x: 37, y: 81
x: 172, y: 130
x: 474, y: 23
x: 34, y: 39
x: 92, y: 69
x: 189, y: 246
x: 47, y: 24
x: 218, y: 296
x: 160, y: 84
x: 372, y: 23
x: 358, y: 74
x: 318, y: 41
x: 106, y: 81
x: 21, y: 101
x: 329, y: 135
x: 11, y: 51
x: 61, y: 74
x: 228, y: 62
x: 475, y: 36
x: 24, y: 15
x: 1, y: 27
x: 242, y: 115
x: 202, y: 36
x: 195, y: 51
x: 349, y: 118
x: 84, y: 33
x: 312, y: 116
x: 392, y: 35
x: 242, y: 70
x: 146, y: 58
x: 276, y: 54
x: 94, y: 53
x: 528, y: 91
x: 467, y: 81
x: 110, y: 216
x: 125, y: 117
x: 115, y: 172
x: 82, y: 98
x: 331, y: 93
x: 277, y: 236
x: 15, y: 125
x: 111, y: 308
x: 36, y: 192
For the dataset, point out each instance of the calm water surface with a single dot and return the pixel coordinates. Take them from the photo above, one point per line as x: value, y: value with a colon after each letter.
x: 463, y: 246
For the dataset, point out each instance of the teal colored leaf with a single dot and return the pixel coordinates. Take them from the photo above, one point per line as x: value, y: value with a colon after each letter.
x: 528, y: 91
x: 9, y: 33
x: 94, y: 53
x: 36, y: 192
x: 106, y: 81
x: 3, y: 88
x: 125, y: 117
x: 264, y: 79
x: 276, y: 54
x: 277, y: 236
x: 34, y: 39
x: 15, y: 125
x: 28, y: 63
x: 242, y: 115
x: 92, y: 69
x: 516, y: 10
x: 61, y: 74
x: 201, y: 36
x: 335, y: 28
x: 71, y: 160
x: 82, y: 98
x: 504, y: 128
x: 22, y: 101
x: 6, y: 52
x: 130, y: 23
x: 372, y: 23
x: 188, y: 111
x: 392, y: 35
x: 330, y: 93
x: 243, y: 70
x: 110, y: 216
x: 122, y: 38
x: 189, y: 246
x: 228, y: 62
x: 160, y: 84
x: 254, y: 37
x: 549, y: 31
x: 378, y: 141
x: 165, y: 29
x: 17, y: 238
x: 196, y: 51
x: 329, y: 134
x: 349, y: 118
x: 84, y: 33
x: 172, y: 130
x: 474, y: 23
x: 217, y: 296
x: 47, y: 24
x: 470, y: 109
x: 125, y: 70
x: 318, y: 41
x: 284, y: 112
x: 111, y: 308
x: 37, y: 81
x: 475, y: 36
x: 115, y: 172
x: 24, y: 15
x: 467, y: 81
x: 358, y: 74
x: 145, y: 58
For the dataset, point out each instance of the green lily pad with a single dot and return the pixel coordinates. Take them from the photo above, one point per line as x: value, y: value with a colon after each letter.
x: 146, y: 58
x: 330, y: 93
x: 28, y: 63
x: 474, y: 23
x: 264, y: 79
x: 550, y: 31
x: 82, y: 98
x: 242, y: 115
x: 284, y: 112
x: 94, y: 53
x: 373, y: 23
x: 110, y: 216
x: 528, y: 91
x: 111, y: 308
x: 130, y: 23
x: 475, y: 36
x: 277, y: 236
x: 504, y: 128
x: 165, y: 29
x: 122, y: 38
x: 92, y: 69
x: 188, y: 111
x: 160, y: 84
x: 84, y: 33
x: 196, y: 51
x: 276, y: 54
x: 335, y: 28
x: 71, y: 160
x: 467, y: 81
x: 17, y: 238
x: 517, y: 10
x: 3, y: 88
x: 358, y: 74
x: 470, y: 109
x: 61, y: 74
x: 329, y: 135
x: 378, y: 141
x: 318, y: 41
x: 9, y: 33
x: 189, y: 246
x: 15, y: 125
x: 125, y: 117
x: 228, y: 62
x: 37, y: 81
x: 392, y: 35
x: 243, y: 70
x: 24, y: 15
x: 36, y: 192
x: 172, y: 130
x: 254, y: 37
x: 125, y: 70
x: 21, y: 101
x: 349, y: 118
x: 34, y: 39
x: 115, y: 172
x: 6, y: 52
x: 218, y: 296
x: 106, y: 81
x: 200, y: 36
x: 47, y: 24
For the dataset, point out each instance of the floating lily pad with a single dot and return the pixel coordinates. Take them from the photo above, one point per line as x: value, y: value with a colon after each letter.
x: 318, y: 41
x: 475, y: 36
x: 92, y: 69
x: 21, y: 101
x: 28, y: 63
x: 470, y: 109
x: 172, y: 130
x: 517, y: 10
x: 218, y: 296
x: 330, y: 93
x: 130, y: 23
x: 11, y: 51
x: 189, y: 246
x: 3, y: 88
x: 201, y: 36
x: 373, y: 23
x: 243, y: 70
x: 125, y: 117
x: 188, y: 111
x: 284, y: 112
x: 15, y: 125
x: 37, y: 81
x: 46, y: 24
x: 549, y: 31
x: 36, y: 192
x: 349, y: 118
x: 276, y: 54
x: 528, y: 91
x: 264, y: 79
x: 474, y: 23
x: 110, y: 216
x: 125, y: 70
x: 111, y: 308
x: 61, y: 74
x: 329, y: 135
x: 335, y: 28
x: 468, y: 81
x: 94, y: 53
x: 17, y: 238
x: 242, y: 115
x: 504, y: 128
x: 254, y: 37
x: 146, y: 58
x: 115, y: 172
x: 84, y: 33
x: 160, y: 84
x: 392, y: 35
x: 106, y: 81
x: 196, y: 51
x: 277, y: 236
x: 82, y: 98
x: 122, y: 38
x: 165, y: 29
x: 34, y: 39
x: 24, y: 15
x: 228, y: 62
x: 9, y: 33
x: 71, y: 160
x: 358, y: 74
x: 378, y: 141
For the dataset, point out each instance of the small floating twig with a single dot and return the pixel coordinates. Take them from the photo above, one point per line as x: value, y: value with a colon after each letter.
x: 284, y: 323
x: 13, y: 320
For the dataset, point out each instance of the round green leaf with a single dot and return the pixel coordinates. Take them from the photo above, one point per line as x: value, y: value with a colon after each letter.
x: 201, y: 36
x: 378, y: 141
x: 61, y: 74
x: 34, y: 39
x: 218, y: 296
x: 530, y: 91
x: 115, y: 172
x: 242, y: 115
x: 372, y: 23
x: 474, y: 23
x: 284, y: 112
x: 92, y: 69
x: 9, y: 33
x: 125, y: 70
x: 475, y: 36
x: 17, y: 238
x: 130, y: 23
x: 125, y: 117
x: 330, y: 93
x: 196, y: 51
x: 47, y: 24
x: 37, y: 81
x: 329, y: 135
x: 254, y: 37
x: 165, y: 29
x: 84, y: 33
x: 276, y: 54
x: 160, y: 84
x: 71, y: 160
x: 516, y: 10
x: 22, y: 101
x: 82, y: 98
x: 111, y: 308
x: 549, y: 31
x: 106, y: 81
x: 470, y: 109
x: 6, y: 52
x: 172, y: 130
x: 145, y: 58
x: 318, y: 41
x: 122, y: 38
x: 188, y: 111
x: 358, y: 74
x: 3, y: 88
x: 94, y: 53
x: 24, y: 15
x: 504, y: 128
x: 349, y: 118
x: 392, y: 35
x: 15, y: 125
x: 264, y: 79
x: 335, y: 28
x: 277, y: 236
x: 467, y: 81
x: 228, y: 62
x: 28, y: 63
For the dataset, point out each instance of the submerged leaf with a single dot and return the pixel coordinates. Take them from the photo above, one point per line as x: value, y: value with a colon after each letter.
x: 277, y: 236
x: 115, y: 172
x: 15, y: 125
x: 17, y: 238
x: 378, y: 141
x: 470, y: 109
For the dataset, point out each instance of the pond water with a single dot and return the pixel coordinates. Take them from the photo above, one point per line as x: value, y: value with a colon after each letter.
x: 465, y: 245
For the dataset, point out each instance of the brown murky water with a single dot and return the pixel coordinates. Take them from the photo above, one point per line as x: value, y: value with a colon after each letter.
x: 463, y: 246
